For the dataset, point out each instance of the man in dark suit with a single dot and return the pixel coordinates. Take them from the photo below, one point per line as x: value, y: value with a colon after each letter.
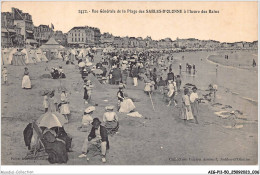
x: 98, y: 135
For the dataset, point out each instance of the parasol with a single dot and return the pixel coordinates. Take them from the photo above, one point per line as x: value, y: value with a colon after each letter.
x: 82, y: 64
x: 89, y: 64
x: 97, y: 71
x: 51, y: 119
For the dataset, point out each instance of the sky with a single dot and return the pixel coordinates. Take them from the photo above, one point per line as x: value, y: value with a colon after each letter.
x: 236, y: 21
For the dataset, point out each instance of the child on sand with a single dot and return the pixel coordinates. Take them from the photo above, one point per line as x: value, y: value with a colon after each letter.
x: 4, y: 73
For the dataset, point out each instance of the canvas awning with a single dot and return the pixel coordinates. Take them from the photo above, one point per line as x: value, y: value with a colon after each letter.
x: 31, y: 41
x: 7, y: 30
x: 29, y: 31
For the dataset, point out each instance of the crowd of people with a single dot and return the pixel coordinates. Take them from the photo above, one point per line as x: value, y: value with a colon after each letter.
x: 153, y: 68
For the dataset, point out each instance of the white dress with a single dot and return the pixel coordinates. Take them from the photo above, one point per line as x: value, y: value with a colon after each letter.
x: 26, y: 83
x: 64, y: 109
x: 126, y: 106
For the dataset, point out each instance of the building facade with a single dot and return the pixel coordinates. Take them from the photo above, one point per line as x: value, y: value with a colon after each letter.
x: 84, y: 36
x: 42, y: 33
x: 106, y: 39
x: 23, y: 21
x: 7, y: 29
x: 60, y: 37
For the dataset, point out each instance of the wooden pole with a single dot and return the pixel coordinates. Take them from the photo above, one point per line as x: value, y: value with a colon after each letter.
x: 151, y: 100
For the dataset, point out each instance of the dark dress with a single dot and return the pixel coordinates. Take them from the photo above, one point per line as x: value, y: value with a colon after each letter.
x: 85, y: 93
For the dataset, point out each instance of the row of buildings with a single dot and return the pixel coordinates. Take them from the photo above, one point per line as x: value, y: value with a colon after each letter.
x: 18, y: 30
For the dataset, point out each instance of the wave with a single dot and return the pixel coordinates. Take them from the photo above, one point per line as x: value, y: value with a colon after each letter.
x: 250, y: 100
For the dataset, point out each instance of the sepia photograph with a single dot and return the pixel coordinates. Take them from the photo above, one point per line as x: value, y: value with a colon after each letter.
x: 129, y: 83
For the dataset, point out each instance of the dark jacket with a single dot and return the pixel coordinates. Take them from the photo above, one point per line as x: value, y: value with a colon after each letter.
x: 170, y: 76
x: 55, y: 149
x: 27, y: 134
x: 135, y: 71
x: 103, y: 134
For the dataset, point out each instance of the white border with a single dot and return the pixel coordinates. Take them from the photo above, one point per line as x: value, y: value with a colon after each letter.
x: 107, y: 169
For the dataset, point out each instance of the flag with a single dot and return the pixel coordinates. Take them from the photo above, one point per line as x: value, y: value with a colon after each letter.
x: 52, y: 26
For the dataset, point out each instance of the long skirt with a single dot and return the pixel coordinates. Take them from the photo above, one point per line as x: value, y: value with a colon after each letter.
x: 194, y: 108
x: 147, y: 88
x: 65, y: 109
x: 124, y: 79
x: 186, y: 113
x: 112, y: 126
x: 126, y: 106
x: 86, y: 96
x: 26, y: 83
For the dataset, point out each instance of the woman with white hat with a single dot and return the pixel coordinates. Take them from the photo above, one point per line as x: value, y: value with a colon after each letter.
x: 111, y: 120
x: 87, y: 119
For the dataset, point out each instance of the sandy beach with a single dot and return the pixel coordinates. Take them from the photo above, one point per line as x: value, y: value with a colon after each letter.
x: 160, y: 137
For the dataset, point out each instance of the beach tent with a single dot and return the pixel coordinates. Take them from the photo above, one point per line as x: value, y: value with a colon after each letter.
x: 5, y: 54
x: 33, y: 56
x: 10, y: 55
x: 28, y: 59
x: 52, y: 44
x: 18, y: 59
x: 40, y: 56
x: 83, y: 53
x: 59, y: 55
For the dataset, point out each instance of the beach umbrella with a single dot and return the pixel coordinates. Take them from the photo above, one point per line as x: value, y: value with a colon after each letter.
x: 51, y: 119
x: 97, y: 71
x: 89, y: 64
x: 82, y: 64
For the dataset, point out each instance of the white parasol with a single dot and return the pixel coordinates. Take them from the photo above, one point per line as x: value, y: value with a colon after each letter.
x: 51, y: 119
x: 82, y: 64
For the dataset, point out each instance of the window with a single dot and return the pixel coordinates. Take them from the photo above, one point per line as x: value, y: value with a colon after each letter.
x: 75, y: 39
x: 72, y: 39
x: 82, y: 39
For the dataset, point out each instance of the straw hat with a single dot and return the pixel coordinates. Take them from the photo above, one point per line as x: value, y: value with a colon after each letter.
x: 121, y: 86
x: 109, y: 108
x: 125, y: 62
x: 90, y: 109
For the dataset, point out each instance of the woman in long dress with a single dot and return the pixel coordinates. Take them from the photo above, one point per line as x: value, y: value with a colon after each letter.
x: 26, y: 83
x: 87, y: 91
x: 194, y: 102
x: 186, y: 108
x: 111, y: 120
x: 171, y: 92
x: 64, y: 108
